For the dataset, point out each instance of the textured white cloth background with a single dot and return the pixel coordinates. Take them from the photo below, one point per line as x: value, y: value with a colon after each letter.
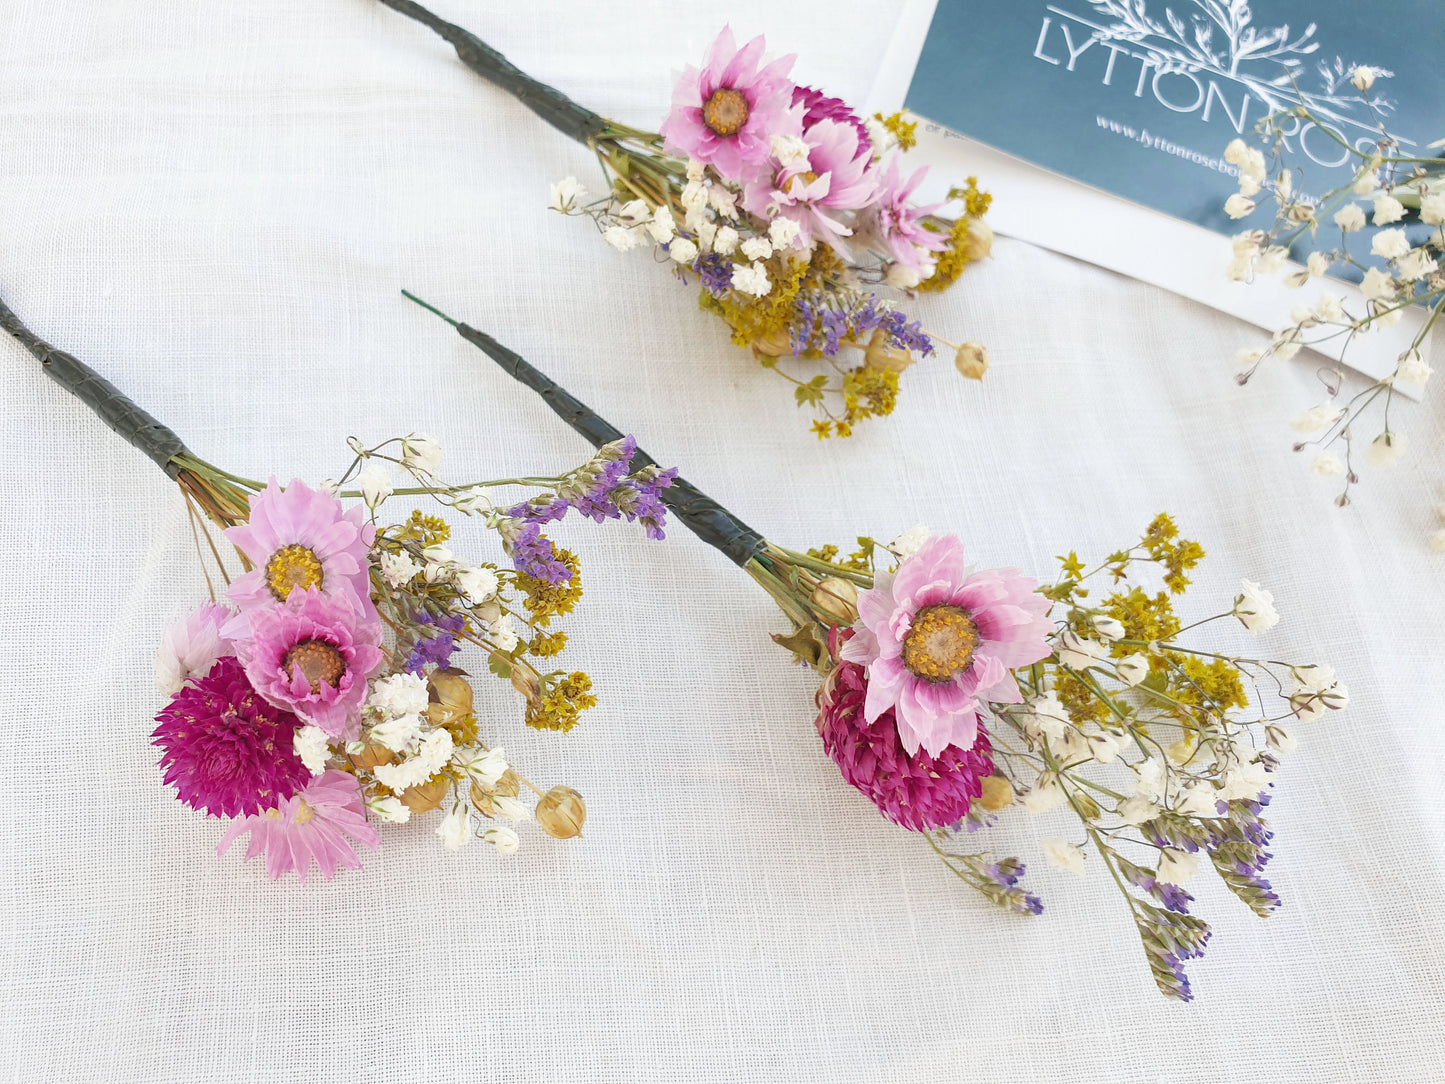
x: 216, y: 204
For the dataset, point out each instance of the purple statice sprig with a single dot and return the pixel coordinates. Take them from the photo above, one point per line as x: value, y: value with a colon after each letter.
x: 439, y: 648
x: 1171, y: 896
x: 824, y: 322
x: 1235, y: 842
x: 996, y: 879
x: 1170, y: 938
x: 715, y: 272
x: 601, y: 489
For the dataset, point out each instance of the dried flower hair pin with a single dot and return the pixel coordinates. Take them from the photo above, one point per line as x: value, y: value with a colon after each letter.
x: 788, y: 209
x: 319, y: 693
x: 950, y: 695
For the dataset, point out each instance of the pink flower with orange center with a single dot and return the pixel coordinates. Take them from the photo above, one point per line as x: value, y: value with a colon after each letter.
x: 939, y: 643
x: 727, y: 113
x: 312, y: 655
x: 301, y: 538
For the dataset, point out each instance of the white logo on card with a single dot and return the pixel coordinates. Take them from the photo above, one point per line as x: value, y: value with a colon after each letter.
x: 1212, y: 60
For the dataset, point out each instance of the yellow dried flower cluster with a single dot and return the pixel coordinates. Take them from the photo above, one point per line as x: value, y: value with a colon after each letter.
x: 424, y: 530
x: 1079, y: 700
x: 547, y: 644
x: 861, y: 560
x: 764, y: 322
x: 961, y: 250
x: 1212, y: 685
x: 544, y: 600
x: 560, y: 702
x: 1178, y: 555
x: 1143, y: 616
x: 904, y: 130
x: 868, y: 393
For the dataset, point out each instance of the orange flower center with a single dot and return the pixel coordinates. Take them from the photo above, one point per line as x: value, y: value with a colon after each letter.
x: 290, y: 567
x: 941, y: 643
x: 317, y: 662
x: 725, y: 112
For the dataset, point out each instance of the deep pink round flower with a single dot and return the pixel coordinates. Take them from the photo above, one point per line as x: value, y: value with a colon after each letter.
x: 916, y: 791
x: 227, y: 751
x: 819, y: 106
x: 727, y: 113
x: 895, y: 224
x: 936, y: 642
x: 313, y: 823
x: 301, y: 538
x: 312, y: 654
x: 833, y: 178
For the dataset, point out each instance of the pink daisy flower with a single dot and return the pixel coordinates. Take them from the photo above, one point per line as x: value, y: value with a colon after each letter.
x: 833, y: 178
x: 895, y: 224
x: 312, y: 654
x: 191, y: 646
x: 937, y: 642
x: 227, y: 751
x: 312, y: 823
x: 301, y: 538
x: 919, y: 791
x: 727, y: 113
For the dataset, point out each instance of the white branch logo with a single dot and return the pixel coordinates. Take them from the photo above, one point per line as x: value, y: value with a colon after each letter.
x: 1189, y: 60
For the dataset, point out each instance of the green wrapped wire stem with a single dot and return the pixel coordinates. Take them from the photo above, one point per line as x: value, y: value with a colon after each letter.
x: 549, y: 103
x: 702, y: 515
x: 127, y: 420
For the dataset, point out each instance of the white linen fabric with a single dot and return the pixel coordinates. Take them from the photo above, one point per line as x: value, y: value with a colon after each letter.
x: 216, y: 206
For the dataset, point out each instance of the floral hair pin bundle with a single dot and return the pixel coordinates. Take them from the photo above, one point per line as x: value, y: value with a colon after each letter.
x: 950, y: 695
x: 1403, y: 196
x: 789, y: 210
x: 320, y: 693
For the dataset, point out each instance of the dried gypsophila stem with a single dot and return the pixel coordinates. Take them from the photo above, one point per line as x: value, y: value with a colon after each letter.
x: 1409, y: 276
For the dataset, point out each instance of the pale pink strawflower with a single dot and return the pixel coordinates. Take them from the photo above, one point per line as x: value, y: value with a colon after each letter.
x: 915, y: 791
x: 191, y: 646
x: 938, y: 644
x: 302, y: 538
x: 819, y: 106
x: 727, y: 113
x: 313, y: 823
x: 895, y: 224
x: 833, y: 179
x: 312, y: 655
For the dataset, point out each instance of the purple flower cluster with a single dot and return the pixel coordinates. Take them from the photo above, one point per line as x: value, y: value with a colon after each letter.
x: 436, y: 649
x: 1169, y: 940
x: 1005, y: 874
x: 856, y: 323
x: 1170, y: 895
x: 531, y: 551
x: 600, y: 491
x: 716, y: 273
x: 1235, y: 842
